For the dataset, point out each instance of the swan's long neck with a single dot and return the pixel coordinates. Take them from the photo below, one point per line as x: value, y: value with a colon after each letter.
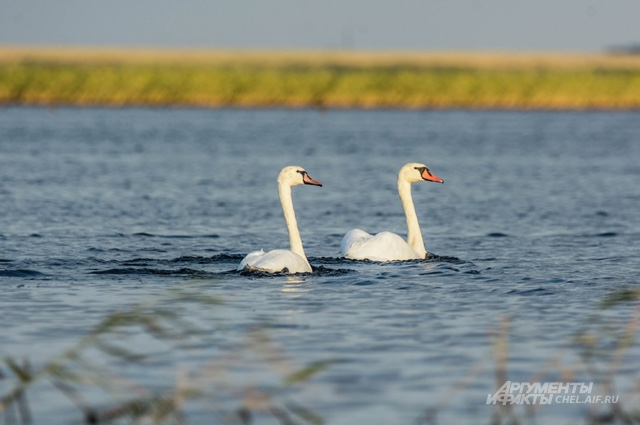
x: 295, y: 241
x: 414, y: 235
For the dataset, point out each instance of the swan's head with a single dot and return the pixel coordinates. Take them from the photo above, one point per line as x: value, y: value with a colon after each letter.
x: 415, y: 172
x: 294, y: 175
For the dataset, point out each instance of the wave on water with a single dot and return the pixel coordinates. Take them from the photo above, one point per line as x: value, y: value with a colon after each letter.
x: 606, y: 235
x: 179, y: 266
x: 536, y: 291
x: 443, y: 259
x: 94, y: 249
x: 430, y: 258
x: 190, y: 266
x: 156, y: 272
x: 20, y: 273
x: 318, y: 271
x: 151, y: 235
x: 185, y: 259
x: 218, y: 258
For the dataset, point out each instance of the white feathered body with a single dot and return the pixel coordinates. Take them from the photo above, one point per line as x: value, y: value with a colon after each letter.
x: 276, y: 261
x: 284, y: 260
x: 385, y: 246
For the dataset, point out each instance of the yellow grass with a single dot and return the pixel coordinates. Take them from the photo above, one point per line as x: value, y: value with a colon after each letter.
x: 213, y: 78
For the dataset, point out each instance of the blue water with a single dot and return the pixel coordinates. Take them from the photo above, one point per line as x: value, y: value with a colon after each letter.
x: 537, y: 222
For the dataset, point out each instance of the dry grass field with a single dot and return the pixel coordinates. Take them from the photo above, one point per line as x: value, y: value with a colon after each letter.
x: 325, y: 79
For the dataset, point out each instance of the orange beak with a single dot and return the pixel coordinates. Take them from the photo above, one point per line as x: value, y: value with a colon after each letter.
x: 308, y: 180
x: 426, y: 175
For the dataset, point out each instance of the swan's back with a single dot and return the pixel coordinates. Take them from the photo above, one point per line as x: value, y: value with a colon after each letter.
x: 385, y: 246
x: 278, y: 260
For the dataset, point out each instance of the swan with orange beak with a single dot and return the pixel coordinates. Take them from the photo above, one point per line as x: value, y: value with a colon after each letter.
x: 386, y: 246
x: 291, y: 260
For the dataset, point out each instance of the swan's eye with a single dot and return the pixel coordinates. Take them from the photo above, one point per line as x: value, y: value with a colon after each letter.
x: 303, y: 174
x: 422, y: 170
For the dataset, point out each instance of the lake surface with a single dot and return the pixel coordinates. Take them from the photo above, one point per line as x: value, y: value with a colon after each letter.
x: 538, y: 221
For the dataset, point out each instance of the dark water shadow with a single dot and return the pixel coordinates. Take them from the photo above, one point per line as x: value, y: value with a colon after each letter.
x: 23, y: 273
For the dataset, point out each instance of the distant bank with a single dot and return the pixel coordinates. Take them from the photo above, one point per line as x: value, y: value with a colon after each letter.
x: 317, y: 79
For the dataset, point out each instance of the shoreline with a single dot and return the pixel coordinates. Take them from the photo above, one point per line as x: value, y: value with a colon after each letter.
x: 317, y: 79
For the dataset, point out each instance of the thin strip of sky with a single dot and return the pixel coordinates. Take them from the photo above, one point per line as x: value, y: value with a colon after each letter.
x: 503, y: 25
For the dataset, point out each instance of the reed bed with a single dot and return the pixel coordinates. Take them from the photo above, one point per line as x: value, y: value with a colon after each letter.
x: 112, y: 77
x: 95, y: 373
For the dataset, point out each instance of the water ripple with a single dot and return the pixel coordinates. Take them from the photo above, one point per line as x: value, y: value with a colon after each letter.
x: 25, y: 273
x: 158, y: 272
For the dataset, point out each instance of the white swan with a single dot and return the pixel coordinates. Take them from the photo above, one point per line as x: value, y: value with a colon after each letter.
x: 386, y: 246
x: 284, y: 260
